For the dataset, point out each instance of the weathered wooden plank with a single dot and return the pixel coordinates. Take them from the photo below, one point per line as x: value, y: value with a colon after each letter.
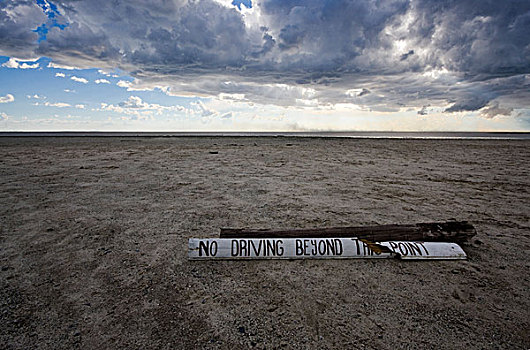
x: 318, y: 248
x: 451, y: 231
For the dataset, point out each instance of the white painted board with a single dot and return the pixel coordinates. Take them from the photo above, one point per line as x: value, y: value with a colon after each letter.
x: 316, y: 248
x: 407, y: 250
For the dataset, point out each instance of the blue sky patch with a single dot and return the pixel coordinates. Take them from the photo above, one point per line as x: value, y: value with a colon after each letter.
x: 53, y: 14
x: 246, y: 3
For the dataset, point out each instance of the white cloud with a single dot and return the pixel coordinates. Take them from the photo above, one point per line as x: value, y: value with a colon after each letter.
x: 60, y: 75
x: 3, y: 116
x: 135, y: 102
x: 107, y: 74
x: 124, y: 84
x: 19, y: 64
x: 237, y: 91
x: 102, y: 81
x: 204, y: 110
x: 7, y: 98
x: 56, y: 104
x: 79, y: 80
x: 35, y: 96
x: 80, y: 106
x: 134, y: 105
x: 357, y: 92
x: 61, y: 66
x: 229, y: 97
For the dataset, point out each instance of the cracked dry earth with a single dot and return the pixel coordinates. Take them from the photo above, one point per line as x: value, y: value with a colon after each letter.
x: 93, y: 243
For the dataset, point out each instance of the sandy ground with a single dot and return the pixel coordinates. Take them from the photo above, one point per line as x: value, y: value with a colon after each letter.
x: 93, y: 240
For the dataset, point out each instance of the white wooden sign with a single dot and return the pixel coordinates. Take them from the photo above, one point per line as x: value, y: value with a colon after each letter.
x: 317, y: 248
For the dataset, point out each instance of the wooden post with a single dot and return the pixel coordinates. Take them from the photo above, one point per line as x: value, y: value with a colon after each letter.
x: 451, y: 231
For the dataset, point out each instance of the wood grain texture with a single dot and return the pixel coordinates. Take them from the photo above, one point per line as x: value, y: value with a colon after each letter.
x: 451, y: 231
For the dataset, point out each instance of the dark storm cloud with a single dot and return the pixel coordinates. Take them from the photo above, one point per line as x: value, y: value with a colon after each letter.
x: 18, y: 19
x: 470, y: 104
x: 494, y: 110
x: 467, y: 54
x: 489, y: 37
x: 423, y: 110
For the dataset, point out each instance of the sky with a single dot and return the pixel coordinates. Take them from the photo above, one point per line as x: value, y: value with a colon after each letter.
x: 269, y: 65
